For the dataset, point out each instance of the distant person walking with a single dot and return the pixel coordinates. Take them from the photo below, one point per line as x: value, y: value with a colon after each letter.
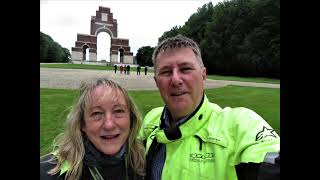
x: 128, y: 69
x: 125, y: 69
x: 138, y: 69
x: 121, y: 68
x: 145, y: 70
x: 115, y: 68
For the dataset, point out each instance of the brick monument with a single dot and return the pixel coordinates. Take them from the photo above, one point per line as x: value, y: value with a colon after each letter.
x: 102, y: 22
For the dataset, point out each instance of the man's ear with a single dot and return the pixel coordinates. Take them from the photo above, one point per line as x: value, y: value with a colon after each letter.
x: 155, y: 79
x: 204, y: 73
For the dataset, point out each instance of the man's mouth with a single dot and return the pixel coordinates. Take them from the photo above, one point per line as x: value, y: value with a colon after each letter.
x: 178, y: 94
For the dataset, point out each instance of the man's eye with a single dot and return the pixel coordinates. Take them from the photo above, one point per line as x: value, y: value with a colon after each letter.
x: 186, y: 69
x: 165, y: 72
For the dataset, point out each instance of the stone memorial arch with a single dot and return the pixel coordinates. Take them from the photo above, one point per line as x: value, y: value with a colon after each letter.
x: 102, y: 22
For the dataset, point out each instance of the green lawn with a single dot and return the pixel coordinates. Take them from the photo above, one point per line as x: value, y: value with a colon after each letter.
x: 244, y: 79
x: 264, y: 101
x: 55, y: 104
x: 77, y: 66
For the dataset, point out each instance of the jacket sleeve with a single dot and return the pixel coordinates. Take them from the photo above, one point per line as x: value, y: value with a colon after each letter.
x: 256, y: 147
x: 150, y: 122
x: 259, y: 171
x: 253, y: 136
x: 270, y: 170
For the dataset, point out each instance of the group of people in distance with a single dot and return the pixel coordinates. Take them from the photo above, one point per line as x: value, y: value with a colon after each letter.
x: 126, y: 69
x: 188, y: 138
x: 123, y: 68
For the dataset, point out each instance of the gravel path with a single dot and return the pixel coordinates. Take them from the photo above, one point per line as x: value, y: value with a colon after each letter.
x: 71, y: 79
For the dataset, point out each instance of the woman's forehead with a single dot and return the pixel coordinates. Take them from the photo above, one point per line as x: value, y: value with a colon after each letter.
x: 106, y: 93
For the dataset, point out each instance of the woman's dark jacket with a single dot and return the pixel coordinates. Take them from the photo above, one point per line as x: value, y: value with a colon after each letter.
x: 109, y: 172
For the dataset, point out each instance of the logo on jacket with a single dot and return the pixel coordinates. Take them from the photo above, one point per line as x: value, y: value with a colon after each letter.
x: 265, y: 133
x: 201, y: 157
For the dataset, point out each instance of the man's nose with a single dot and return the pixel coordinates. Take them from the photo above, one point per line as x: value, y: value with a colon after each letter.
x: 176, y: 78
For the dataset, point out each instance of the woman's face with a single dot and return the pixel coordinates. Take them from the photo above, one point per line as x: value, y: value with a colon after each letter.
x: 107, y: 119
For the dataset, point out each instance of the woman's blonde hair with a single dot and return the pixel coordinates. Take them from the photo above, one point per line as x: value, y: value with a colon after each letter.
x: 69, y: 146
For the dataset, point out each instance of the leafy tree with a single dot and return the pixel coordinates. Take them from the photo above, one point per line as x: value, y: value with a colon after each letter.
x: 196, y: 25
x: 144, y: 56
x: 67, y: 55
x: 236, y: 37
x: 172, y: 32
x: 51, y: 51
x: 44, y: 45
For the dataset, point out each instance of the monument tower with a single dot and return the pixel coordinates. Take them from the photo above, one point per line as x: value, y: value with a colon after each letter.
x: 103, y: 21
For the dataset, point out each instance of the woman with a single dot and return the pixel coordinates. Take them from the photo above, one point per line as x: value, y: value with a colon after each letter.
x: 100, y: 138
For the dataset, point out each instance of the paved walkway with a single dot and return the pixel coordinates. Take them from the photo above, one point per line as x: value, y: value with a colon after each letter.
x: 71, y: 79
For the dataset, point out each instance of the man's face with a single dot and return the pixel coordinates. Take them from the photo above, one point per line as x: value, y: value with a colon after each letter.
x: 180, y: 80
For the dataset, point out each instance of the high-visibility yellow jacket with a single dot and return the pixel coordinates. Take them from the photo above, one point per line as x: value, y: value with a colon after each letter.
x: 210, y: 143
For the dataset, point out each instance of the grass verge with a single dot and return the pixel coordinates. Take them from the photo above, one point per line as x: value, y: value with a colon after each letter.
x: 55, y: 105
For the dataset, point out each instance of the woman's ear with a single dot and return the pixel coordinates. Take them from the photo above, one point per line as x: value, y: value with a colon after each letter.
x: 132, y: 116
x: 84, y: 134
x: 82, y: 126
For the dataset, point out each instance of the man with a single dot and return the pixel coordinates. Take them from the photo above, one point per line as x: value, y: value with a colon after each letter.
x: 138, y: 69
x: 192, y: 138
x: 115, y: 68
x: 145, y: 70
x: 128, y: 69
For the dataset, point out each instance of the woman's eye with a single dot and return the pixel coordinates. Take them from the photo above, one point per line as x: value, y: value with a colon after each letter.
x: 97, y: 114
x: 119, y: 111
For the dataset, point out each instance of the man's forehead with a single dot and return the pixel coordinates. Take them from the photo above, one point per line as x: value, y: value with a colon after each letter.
x: 180, y: 60
x: 177, y: 63
x: 174, y: 50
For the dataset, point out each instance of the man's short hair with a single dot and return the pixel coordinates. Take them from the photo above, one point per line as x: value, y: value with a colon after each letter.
x: 177, y: 42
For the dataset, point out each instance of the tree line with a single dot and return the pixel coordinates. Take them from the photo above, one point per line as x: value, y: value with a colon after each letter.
x: 144, y: 56
x: 236, y: 37
x: 51, y: 51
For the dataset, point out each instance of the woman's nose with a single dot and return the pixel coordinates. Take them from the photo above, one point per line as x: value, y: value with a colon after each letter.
x: 108, y: 122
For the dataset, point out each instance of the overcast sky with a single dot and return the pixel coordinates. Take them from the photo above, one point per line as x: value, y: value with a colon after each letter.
x: 142, y: 22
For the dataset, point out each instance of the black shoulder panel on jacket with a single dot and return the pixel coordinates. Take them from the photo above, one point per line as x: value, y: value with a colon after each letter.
x: 45, y: 167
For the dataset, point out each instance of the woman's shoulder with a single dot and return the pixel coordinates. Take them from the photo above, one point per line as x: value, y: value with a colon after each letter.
x: 133, y: 175
x: 47, y: 163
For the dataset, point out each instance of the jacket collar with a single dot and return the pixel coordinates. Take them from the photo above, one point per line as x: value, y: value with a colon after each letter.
x: 195, y: 121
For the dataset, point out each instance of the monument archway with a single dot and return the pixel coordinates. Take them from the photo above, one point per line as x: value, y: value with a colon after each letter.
x: 102, y: 22
x: 103, y: 46
x: 84, y: 52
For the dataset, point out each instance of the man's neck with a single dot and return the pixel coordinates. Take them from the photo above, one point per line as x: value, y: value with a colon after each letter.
x: 172, y: 121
